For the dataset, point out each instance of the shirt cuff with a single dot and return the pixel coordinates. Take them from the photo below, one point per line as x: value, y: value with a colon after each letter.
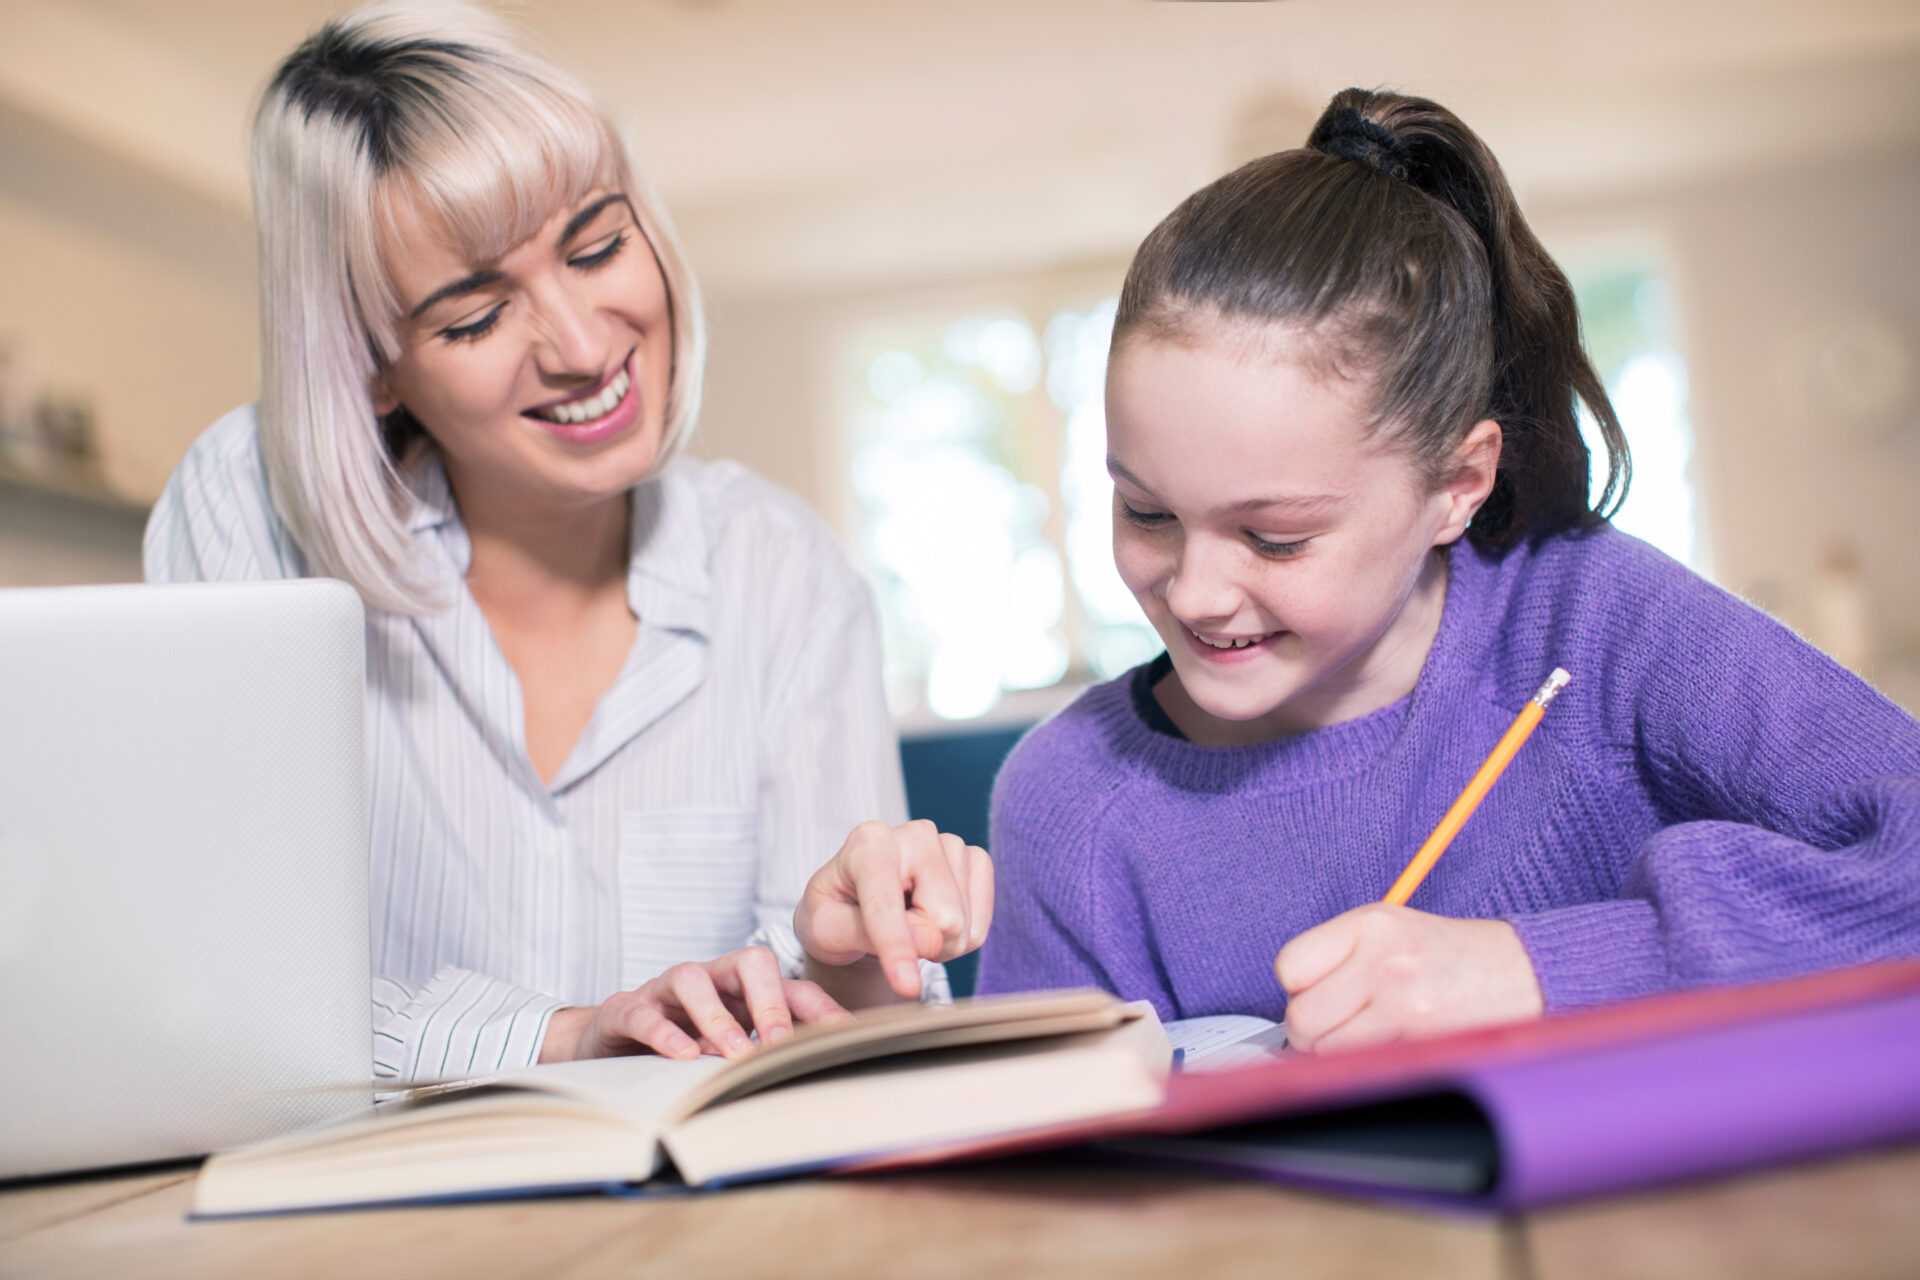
x: 1595, y: 953
x: 785, y: 945
x: 460, y: 1023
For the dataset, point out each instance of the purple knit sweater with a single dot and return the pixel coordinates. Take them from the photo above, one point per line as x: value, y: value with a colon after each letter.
x: 1711, y: 800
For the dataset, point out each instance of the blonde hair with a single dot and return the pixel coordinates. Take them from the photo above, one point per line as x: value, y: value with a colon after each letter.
x: 441, y: 106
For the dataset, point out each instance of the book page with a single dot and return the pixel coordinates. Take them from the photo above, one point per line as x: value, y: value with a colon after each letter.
x: 640, y: 1088
x: 1225, y: 1041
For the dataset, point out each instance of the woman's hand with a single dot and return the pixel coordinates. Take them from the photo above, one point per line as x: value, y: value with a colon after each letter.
x: 1381, y: 973
x: 900, y: 894
x: 693, y: 1009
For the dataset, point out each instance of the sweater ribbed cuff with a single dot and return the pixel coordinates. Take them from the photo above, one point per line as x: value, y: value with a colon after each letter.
x: 1595, y: 953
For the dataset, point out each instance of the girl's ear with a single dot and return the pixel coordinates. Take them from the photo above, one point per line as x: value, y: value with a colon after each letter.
x: 1470, y: 478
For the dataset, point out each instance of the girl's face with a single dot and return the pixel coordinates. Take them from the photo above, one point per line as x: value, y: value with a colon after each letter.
x: 1283, y: 553
x: 542, y: 376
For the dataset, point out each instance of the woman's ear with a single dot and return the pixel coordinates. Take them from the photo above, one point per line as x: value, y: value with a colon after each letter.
x: 1469, y: 479
x: 384, y: 401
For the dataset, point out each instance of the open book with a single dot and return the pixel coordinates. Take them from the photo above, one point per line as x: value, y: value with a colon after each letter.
x: 896, y: 1080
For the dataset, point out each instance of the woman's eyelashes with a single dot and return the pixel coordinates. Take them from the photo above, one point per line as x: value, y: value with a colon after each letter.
x: 600, y: 257
x: 477, y: 329
x: 590, y: 261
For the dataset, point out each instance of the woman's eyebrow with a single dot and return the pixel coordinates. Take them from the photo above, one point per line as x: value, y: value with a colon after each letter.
x: 466, y: 284
x: 579, y: 220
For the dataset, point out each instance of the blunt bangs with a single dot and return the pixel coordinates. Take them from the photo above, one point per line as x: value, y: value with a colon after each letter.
x: 490, y: 166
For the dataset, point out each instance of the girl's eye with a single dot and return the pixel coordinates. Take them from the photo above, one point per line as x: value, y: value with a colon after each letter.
x: 478, y: 329
x: 1145, y: 519
x: 602, y: 256
x: 1278, y: 550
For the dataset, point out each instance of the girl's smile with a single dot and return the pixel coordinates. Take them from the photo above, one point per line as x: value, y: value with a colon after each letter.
x: 1228, y: 648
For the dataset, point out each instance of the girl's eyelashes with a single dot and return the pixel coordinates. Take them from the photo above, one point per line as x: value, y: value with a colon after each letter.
x: 1145, y: 519
x: 478, y: 329
x: 1156, y: 519
x: 602, y: 256
x: 1278, y: 550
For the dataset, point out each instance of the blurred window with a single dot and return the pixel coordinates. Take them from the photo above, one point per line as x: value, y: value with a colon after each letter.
x: 1627, y: 320
x: 981, y: 504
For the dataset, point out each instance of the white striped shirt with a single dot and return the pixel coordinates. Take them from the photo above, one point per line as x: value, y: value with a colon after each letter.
x: 744, y: 737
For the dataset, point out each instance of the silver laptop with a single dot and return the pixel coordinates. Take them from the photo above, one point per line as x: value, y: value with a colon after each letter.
x: 183, y: 869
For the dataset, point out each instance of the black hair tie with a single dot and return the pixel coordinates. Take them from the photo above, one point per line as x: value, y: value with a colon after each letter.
x: 1352, y: 136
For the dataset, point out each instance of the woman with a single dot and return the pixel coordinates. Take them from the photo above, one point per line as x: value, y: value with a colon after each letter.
x: 619, y: 706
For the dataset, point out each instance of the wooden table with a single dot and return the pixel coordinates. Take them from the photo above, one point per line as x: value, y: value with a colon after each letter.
x: 1858, y: 1217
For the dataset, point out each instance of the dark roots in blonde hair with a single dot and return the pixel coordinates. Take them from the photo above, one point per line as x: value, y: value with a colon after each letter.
x: 1394, y: 242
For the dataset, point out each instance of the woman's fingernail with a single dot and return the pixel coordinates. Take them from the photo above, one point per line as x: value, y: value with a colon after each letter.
x: 905, y: 974
x: 738, y: 1042
x: 775, y: 1034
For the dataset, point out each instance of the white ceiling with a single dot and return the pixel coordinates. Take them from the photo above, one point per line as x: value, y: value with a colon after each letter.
x: 809, y: 142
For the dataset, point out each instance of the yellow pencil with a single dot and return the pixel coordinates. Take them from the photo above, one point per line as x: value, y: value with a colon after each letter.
x: 1477, y: 788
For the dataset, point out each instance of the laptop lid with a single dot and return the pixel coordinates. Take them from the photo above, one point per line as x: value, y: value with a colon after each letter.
x: 183, y: 850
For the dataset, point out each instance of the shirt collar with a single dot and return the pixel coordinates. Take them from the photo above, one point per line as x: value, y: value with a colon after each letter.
x: 668, y: 584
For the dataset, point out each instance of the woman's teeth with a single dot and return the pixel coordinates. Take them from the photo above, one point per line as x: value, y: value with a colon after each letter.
x: 593, y: 407
x: 1228, y: 644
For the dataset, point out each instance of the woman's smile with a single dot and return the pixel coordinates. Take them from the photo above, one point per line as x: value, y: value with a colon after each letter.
x: 597, y: 413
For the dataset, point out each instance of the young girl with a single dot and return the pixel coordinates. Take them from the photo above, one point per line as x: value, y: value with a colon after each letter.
x: 1352, y: 496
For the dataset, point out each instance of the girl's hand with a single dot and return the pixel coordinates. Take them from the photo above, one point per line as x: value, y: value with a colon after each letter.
x: 1380, y: 973
x: 693, y: 1009
x: 900, y: 894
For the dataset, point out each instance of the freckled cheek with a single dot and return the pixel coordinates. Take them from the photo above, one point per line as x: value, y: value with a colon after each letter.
x: 1342, y: 604
x: 1143, y: 563
x: 1310, y: 600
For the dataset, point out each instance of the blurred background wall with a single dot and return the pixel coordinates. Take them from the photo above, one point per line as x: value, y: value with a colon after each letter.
x: 908, y: 217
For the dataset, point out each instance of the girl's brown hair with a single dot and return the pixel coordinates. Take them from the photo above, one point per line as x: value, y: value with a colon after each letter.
x: 1393, y: 241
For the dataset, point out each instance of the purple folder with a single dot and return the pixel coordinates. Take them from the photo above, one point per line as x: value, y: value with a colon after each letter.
x: 1635, y: 1094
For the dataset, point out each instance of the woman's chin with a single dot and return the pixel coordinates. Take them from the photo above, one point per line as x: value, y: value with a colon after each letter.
x: 613, y: 466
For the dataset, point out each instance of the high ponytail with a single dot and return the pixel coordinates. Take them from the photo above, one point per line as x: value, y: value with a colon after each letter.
x: 1394, y: 242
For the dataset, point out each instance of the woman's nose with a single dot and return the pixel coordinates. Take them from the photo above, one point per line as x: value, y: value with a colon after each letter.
x: 574, y: 342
